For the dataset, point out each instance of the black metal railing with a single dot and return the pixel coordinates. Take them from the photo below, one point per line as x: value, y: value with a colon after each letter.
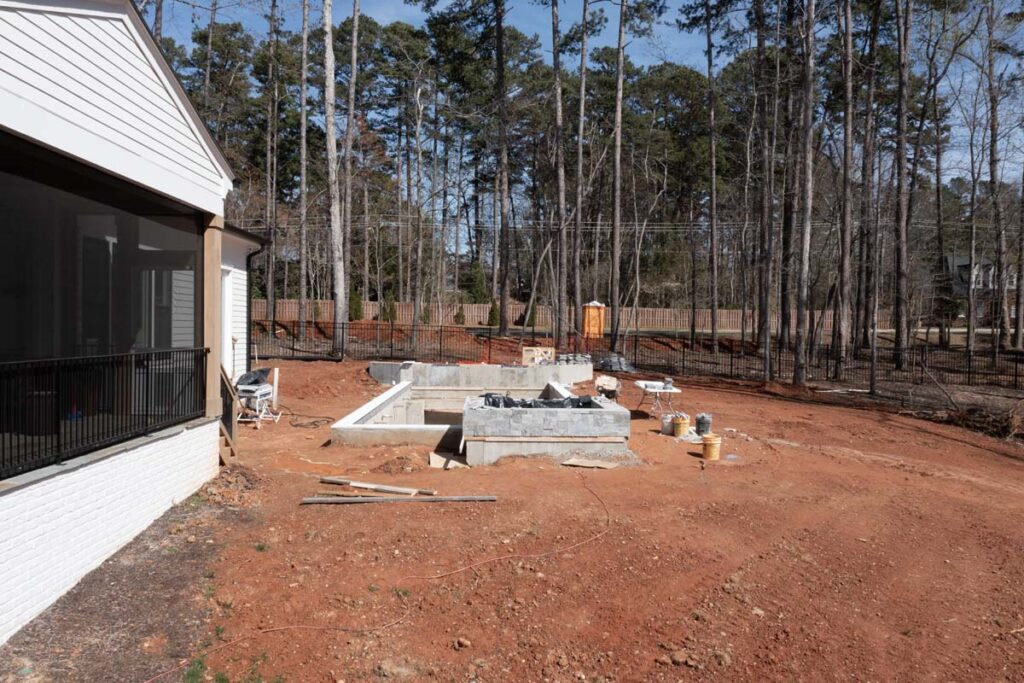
x: 53, y: 410
x: 668, y: 353
x: 228, y: 401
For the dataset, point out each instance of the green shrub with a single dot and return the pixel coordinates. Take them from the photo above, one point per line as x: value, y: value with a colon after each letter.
x: 493, y: 315
x: 460, y: 316
x: 355, y: 305
x: 476, y: 288
x: 389, y: 311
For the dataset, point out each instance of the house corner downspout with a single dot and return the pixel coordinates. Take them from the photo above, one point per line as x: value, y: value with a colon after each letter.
x: 248, y: 305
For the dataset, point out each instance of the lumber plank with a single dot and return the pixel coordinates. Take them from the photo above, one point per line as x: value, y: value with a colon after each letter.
x: 377, y: 487
x: 343, y: 500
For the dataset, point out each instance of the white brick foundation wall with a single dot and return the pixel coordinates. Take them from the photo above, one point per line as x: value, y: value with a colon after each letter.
x: 56, y: 530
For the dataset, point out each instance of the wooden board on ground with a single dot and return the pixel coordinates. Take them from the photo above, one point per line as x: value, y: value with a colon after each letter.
x: 379, y: 486
x: 343, y: 500
x: 589, y: 462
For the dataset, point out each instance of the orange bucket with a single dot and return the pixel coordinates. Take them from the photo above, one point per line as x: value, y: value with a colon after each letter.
x: 680, y: 425
x: 712, y: 446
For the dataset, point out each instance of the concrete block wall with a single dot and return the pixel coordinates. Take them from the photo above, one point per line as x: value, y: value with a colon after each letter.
x: 609, y: 420
x: 480, y: 375
x: 56, y: 530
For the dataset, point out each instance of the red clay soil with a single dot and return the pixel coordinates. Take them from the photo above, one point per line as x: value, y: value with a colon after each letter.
x: 828, y: 543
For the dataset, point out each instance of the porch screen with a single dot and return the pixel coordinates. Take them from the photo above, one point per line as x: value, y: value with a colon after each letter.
x: 91, y: 265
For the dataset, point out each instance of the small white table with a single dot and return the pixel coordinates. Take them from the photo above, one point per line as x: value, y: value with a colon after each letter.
x: 656, y: 390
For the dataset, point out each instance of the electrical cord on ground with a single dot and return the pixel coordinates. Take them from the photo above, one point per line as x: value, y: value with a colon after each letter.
x: 407, y: 608
x: 312, y: 422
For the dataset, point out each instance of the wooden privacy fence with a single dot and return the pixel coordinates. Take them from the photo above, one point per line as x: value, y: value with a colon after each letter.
x: 645, y: 319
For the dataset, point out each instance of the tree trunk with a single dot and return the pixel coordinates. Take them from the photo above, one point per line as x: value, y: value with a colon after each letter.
x: 577, y: 245
x: 303, y: 199
x: 765, y: 200
x: 503, y: 184
x: 713, y: 176
x: 790, y: 179
x: 350, y: 129
x: 270, y: 217
x: 417, y: 206
x: 807, y: 200
x: 400, y: 251
x: 868, y: 242
x: 1018, y: 331
x: 339, y: 269
x: 1000, y: 315
x: 616, y: 264
x: 904, y: 21
x: 158, y: 20
x: 846, y: 225
x: 208, y: 57
x: 561, y: 297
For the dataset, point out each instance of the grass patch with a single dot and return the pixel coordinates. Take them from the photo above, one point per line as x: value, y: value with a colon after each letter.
x: 196, y: 671
x: 261, y: 547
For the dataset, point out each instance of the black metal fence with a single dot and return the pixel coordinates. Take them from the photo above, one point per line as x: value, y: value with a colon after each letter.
x: 673, y: 354
x: 53, y: 410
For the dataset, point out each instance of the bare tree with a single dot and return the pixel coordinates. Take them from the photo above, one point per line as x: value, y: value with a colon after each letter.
x: 616, y: 264
x: 713, y: 173
x: 577, y: 246
x: 561, y: 298
x: 501, y: 179
x: 337, y: 230
x: 904, y: 21
x: 350, y: 129
x: 807, y: 200
x: 208, y: 57
x: 270, y: 213
x: 846, y: 222
x: 303, y: 198
x: 1000, y: 315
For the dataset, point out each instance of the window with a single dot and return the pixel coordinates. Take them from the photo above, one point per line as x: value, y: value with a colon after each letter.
x: 92, y: 265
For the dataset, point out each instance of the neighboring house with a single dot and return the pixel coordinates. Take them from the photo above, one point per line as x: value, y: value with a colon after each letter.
x: 121, y: 293
x: 985, y: 283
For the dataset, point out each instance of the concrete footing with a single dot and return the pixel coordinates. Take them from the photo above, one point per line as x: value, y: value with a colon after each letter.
x: 441, y: 406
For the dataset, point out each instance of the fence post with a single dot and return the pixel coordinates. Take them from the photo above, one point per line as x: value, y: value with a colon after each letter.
x: 636, y: 349
x: 490, y: 332
x: 56, y: 408
x: 970, y: 367
x: 440, y: 342
x: 391, y: 354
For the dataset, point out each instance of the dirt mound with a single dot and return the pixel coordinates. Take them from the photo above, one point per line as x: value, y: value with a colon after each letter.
x: 403, y: 464
x: 235, y: 486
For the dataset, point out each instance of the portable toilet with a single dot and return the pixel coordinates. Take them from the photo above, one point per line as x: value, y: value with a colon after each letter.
x: 593, y: 320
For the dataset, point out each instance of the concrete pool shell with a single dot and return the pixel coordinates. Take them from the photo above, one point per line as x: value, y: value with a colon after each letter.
x: 441, y: 406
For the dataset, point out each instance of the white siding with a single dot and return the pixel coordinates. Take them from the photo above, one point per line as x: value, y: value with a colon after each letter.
x: 57, y: 530
x: 80, y: 78
x: 239, y: 320
x: 183, y: 309
x: 233, y: 256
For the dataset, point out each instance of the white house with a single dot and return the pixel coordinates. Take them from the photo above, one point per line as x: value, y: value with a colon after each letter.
x: 122, y: 293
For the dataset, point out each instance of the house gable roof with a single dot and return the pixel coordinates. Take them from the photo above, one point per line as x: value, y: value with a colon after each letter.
x: 85, y: 78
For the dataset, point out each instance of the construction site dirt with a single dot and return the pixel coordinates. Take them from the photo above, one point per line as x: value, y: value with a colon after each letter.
x: 829, y: 542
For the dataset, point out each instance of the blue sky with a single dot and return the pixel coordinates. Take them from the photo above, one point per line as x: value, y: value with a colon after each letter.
x: 526, y: 15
